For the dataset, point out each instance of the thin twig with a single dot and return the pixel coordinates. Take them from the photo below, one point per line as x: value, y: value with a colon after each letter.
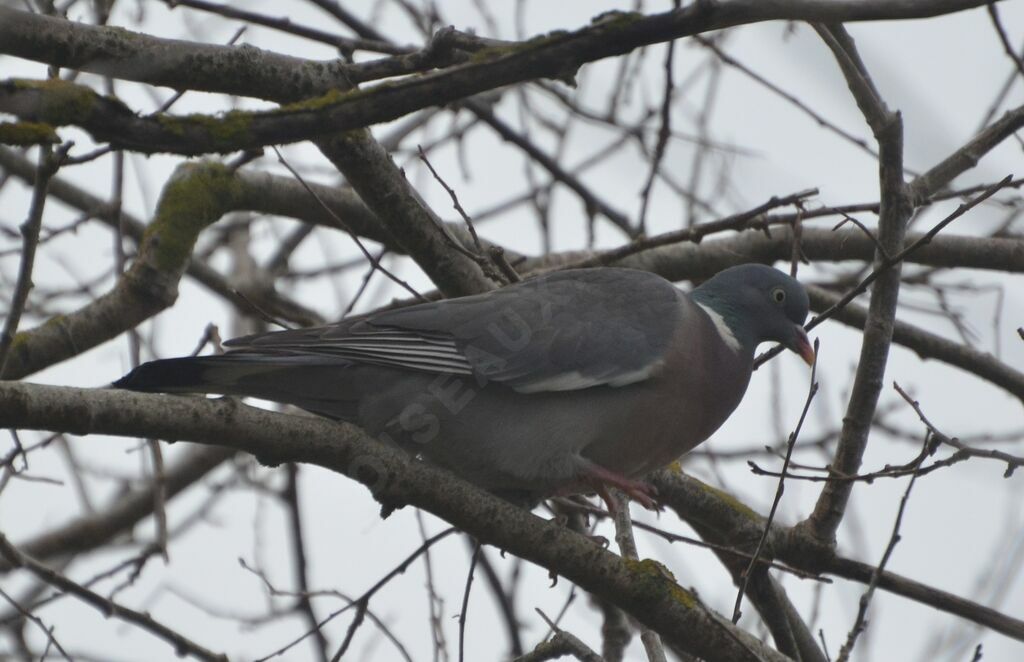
x: 455, y: 199
x: 344, y: 226
x: 821, y: 120
x: 889, y: 262
x: 505, y: 600
x: 561, y: 643
x: 1013, y: 462
x: 750, y: 218
x: 868, y: 233
x: 182, y: 645
x: 592, y: 202
x: 664, y: 133
x: 696, y: 542
x: 812, y: 390
x: 1003, y: 39
x: 49, y: 163
x: 286, y: 24
x: 274, y: 591
x: 51, y: 639
x: 363, y: 601
x: 478, y: 256
x: 435, y: 602
x: 465, y: 601
x: 861, y: 621
x: 303, y: 605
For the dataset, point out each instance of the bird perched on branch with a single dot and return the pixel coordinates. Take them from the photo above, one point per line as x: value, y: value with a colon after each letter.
x: 569, y: 382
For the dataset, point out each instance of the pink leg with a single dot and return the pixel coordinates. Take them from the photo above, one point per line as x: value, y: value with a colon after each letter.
x: 637, y: 490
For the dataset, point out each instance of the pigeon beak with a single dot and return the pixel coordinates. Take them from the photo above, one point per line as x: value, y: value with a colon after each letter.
x: 802, y: 346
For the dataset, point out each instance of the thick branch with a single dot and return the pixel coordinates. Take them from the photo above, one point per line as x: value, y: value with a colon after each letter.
x: 178, y: 64
x: 965, y: 158
x: 735, y: 524
x: 553, y: 56
x: 894, y: 212
x: 396, y: 480
x: 422, y: 235
x: 260, y: 192
x: 174, y: 63
x: 688, y: 260
x: 196, y: 195
x: 280, y: 198
x: 48, y: 164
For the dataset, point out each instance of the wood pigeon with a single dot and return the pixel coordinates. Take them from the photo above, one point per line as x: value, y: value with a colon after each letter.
x: 569, y: 382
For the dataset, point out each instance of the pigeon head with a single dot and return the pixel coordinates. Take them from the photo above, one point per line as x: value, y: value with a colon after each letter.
x: 759, y: 304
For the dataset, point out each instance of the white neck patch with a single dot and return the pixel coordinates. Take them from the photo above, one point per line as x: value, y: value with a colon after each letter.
x: 723, y: 329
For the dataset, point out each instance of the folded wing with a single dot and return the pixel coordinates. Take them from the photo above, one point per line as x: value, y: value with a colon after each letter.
x: 566, y: 330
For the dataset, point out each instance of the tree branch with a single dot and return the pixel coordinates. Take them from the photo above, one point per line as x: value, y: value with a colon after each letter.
x: 182, y: 645
x: 554, y: 56
x: 196, y: 195
x: 97, y: 529
x: 896, y: 208
x: 735, y: 524
x: 395, y: 480
x: 928, y: 345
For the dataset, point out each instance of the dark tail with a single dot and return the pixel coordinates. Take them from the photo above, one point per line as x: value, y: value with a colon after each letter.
x: 319, y: 385
x: 184, y: 375
x: 235, y: 373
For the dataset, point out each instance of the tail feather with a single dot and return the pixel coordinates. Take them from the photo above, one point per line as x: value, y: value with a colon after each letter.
x: 312, y: 383
x: 182, y: 375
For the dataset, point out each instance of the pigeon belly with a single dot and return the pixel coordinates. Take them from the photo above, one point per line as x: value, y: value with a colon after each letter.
x: 500, y: 439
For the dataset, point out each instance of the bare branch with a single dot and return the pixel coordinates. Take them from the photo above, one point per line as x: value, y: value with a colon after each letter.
x: 557, y: 57
x: 650, y: 596
x: 896, y: 207
x: 861, y: 622
x: 790, y: 444
x: 182, y: 645
x: 49, y: 161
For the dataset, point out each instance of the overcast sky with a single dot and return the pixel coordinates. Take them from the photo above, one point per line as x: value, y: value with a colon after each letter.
x: 941, y: 74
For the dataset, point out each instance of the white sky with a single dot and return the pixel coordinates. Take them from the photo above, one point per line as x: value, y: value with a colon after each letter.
x: 942, y: 74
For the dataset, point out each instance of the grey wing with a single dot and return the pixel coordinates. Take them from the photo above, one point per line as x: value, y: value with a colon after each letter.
x: 566, y: 330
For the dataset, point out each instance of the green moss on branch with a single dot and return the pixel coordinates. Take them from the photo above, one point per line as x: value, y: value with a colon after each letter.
x: 197, y: 195
x: 25, y: 134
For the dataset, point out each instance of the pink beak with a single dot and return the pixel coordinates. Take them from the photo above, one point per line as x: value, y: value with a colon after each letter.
x: 804, y: 347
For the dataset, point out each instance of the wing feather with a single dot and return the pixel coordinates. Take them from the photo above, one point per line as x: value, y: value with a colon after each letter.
x: 566, y: 330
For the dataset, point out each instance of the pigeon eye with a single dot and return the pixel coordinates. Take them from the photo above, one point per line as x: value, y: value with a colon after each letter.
x: 778, y: 295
